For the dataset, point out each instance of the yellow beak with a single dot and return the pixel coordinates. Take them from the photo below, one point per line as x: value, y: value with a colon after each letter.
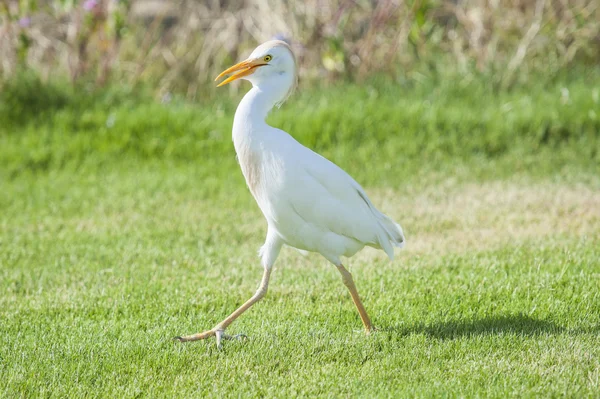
x: 242, y: 69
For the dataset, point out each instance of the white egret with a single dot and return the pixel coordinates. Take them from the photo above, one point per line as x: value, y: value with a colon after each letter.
x: 309, y: 202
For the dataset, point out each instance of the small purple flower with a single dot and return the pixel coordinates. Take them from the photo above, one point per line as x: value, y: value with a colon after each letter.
x: 25, y: 22
x: 90, y: 5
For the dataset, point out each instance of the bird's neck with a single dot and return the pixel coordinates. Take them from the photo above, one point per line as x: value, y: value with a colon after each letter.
x: 249, y: 121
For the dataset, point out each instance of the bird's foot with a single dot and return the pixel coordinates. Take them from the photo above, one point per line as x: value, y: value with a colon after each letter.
x: 226, y: 337
x: 371, y: 330
x: 217, y: 332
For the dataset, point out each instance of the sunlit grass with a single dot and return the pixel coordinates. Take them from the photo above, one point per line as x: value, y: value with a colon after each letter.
x: 96, y: 280
x: 107, y: 251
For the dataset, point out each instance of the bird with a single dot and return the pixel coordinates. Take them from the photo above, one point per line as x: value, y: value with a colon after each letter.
x: 309, y: 202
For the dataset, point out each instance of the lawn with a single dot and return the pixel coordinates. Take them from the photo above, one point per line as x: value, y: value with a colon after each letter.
x: 123, y: 225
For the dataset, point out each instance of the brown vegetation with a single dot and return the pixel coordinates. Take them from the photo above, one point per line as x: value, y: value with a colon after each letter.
x: 181, y: 45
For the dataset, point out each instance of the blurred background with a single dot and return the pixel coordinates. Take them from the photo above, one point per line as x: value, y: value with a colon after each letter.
x: 180, y: 46
x: 90, y: 81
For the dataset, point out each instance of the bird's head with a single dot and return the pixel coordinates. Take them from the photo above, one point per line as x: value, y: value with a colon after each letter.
x: 272, y: 63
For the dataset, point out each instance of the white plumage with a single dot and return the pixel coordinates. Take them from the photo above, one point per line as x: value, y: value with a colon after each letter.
x: 309, y: 202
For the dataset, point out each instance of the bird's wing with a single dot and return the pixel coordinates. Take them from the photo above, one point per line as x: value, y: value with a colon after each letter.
x: 323, y: 194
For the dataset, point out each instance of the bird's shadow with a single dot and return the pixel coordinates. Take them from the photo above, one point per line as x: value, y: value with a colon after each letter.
x: 494, y: 325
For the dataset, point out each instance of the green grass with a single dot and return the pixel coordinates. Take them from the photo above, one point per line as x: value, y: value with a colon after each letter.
x: 115, y: 239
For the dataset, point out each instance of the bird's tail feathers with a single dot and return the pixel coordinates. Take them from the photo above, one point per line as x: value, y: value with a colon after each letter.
x: 392, y: 236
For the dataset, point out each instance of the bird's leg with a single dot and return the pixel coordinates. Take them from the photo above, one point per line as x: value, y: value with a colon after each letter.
x: 218, y: 330
x: 349, y: 282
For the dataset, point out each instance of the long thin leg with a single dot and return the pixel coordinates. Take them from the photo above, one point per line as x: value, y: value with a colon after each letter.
x: 220, y: 328
x: 349, y: 282
x: 268, y: 253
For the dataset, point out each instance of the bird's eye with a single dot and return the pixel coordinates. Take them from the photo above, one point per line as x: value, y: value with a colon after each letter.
x: 267, y: 58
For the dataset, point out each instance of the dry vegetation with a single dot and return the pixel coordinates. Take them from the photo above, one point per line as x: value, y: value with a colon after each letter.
x: 181, y: 45
x: 485, y: 216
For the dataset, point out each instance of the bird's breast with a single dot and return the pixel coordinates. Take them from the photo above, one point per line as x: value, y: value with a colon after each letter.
x: 250, y: 163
